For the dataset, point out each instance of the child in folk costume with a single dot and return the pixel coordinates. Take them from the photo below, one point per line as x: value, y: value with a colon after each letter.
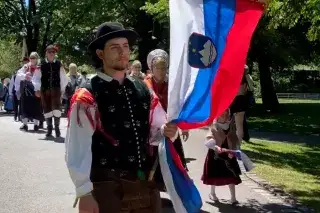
x: 158, y: 61
x: 221, y: 167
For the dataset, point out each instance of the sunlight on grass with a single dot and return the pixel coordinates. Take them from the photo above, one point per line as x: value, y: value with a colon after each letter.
x: 294, y: 167
x: 297, y: 116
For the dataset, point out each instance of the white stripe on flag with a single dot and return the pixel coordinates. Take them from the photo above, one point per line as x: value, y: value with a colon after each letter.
x: 186, y: 17
x: 167, y: 178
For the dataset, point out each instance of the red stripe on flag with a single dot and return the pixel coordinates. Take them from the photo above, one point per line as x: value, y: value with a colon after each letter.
x: 176, y: 159
x: 229, y: 75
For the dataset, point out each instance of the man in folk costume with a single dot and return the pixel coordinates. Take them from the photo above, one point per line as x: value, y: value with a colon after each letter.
x: 50, y: 82
x: 107, y: 149
x: 30, y: 104
x: 157, y: 82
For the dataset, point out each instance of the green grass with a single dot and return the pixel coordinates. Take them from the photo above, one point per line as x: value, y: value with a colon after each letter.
x: 296, y: 116
x: 293, y: 167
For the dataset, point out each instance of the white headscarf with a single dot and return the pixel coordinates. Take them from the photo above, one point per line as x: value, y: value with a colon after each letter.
x: 157, y: 53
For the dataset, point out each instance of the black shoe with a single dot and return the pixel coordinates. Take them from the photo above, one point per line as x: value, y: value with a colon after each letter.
x: 24, y: 127
x: 36, y: 128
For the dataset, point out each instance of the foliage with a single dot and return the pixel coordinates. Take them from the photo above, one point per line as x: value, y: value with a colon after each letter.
x: 158, y: 9
x: 70, y: 24
x: 86, y: 68
x: 290, y: 13
x: 10, y: 57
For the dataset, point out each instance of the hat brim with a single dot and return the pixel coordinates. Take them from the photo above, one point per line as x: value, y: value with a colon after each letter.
x: 99, y: 43
x: 52, y: 48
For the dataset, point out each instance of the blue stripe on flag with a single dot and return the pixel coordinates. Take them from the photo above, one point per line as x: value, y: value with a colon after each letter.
x: 218, y: 20
x: 185, y: 188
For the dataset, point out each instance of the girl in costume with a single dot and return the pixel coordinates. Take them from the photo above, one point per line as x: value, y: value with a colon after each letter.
x: 221, y: 167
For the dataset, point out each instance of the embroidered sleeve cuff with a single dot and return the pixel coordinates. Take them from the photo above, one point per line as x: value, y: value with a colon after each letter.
x: 84, y: 189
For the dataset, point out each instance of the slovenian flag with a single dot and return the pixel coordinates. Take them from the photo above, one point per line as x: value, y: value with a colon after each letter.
x: 209, y: 44
x: 209, y: 41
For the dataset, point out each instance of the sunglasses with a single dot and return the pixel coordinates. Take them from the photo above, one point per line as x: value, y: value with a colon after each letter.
x: 33, y: 58
x: 52, y: 52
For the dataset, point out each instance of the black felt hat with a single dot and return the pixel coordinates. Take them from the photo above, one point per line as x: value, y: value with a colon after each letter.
x: 111, y: 30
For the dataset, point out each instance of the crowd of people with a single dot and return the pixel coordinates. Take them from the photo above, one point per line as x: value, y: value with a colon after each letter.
x: 112, y: 159
x: 38, y: 89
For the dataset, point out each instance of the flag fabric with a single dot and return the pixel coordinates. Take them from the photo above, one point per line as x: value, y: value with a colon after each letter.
x: 209, y: 44
x: 209, y: 41
x: 247, y: 163
x: 183, y: 193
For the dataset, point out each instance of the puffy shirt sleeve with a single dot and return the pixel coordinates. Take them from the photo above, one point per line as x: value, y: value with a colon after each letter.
x: 158, y: 119
x: 36, y: 79
x: 78, y: 146
x: 19, y: 77
x: 63, y: 79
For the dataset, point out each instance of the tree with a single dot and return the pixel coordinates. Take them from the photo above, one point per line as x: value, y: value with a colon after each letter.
x: 47, y: 22
x: 9, y: 57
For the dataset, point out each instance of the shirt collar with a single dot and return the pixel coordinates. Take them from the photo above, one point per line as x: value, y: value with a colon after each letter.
x: 54, y: 60
x: 106, y: 77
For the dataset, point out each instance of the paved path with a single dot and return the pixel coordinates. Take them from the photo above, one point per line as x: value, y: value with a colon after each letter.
x: 34, y: 178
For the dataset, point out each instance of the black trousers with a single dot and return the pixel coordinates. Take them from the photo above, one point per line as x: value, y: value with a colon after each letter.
x: 246, y: 136
x: 16, y: 107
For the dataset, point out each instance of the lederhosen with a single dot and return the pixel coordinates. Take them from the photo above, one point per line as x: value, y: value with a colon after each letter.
x: 119, y: 173
x: 51, y: 89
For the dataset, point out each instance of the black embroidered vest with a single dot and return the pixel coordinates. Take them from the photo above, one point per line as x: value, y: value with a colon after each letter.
x: 50, y: 75
x: 124, y: 111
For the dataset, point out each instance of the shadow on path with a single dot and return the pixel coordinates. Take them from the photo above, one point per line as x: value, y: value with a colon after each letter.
x: 253, y: 206
x: 285, y: 137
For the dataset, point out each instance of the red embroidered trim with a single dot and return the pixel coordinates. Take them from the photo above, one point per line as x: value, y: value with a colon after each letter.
x: 86, y: 100
x: 155, y: 99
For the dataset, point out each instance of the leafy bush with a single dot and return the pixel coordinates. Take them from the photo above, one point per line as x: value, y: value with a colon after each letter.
x: 10, y: 57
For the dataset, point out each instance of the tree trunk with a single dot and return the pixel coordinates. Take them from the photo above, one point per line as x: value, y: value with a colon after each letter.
x: 144, y: 28
x: 45, y: 39
x: 36, y: 25
x: 268, y: 93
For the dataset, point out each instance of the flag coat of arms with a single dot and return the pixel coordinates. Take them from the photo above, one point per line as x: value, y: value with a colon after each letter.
x: 209, y: 41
